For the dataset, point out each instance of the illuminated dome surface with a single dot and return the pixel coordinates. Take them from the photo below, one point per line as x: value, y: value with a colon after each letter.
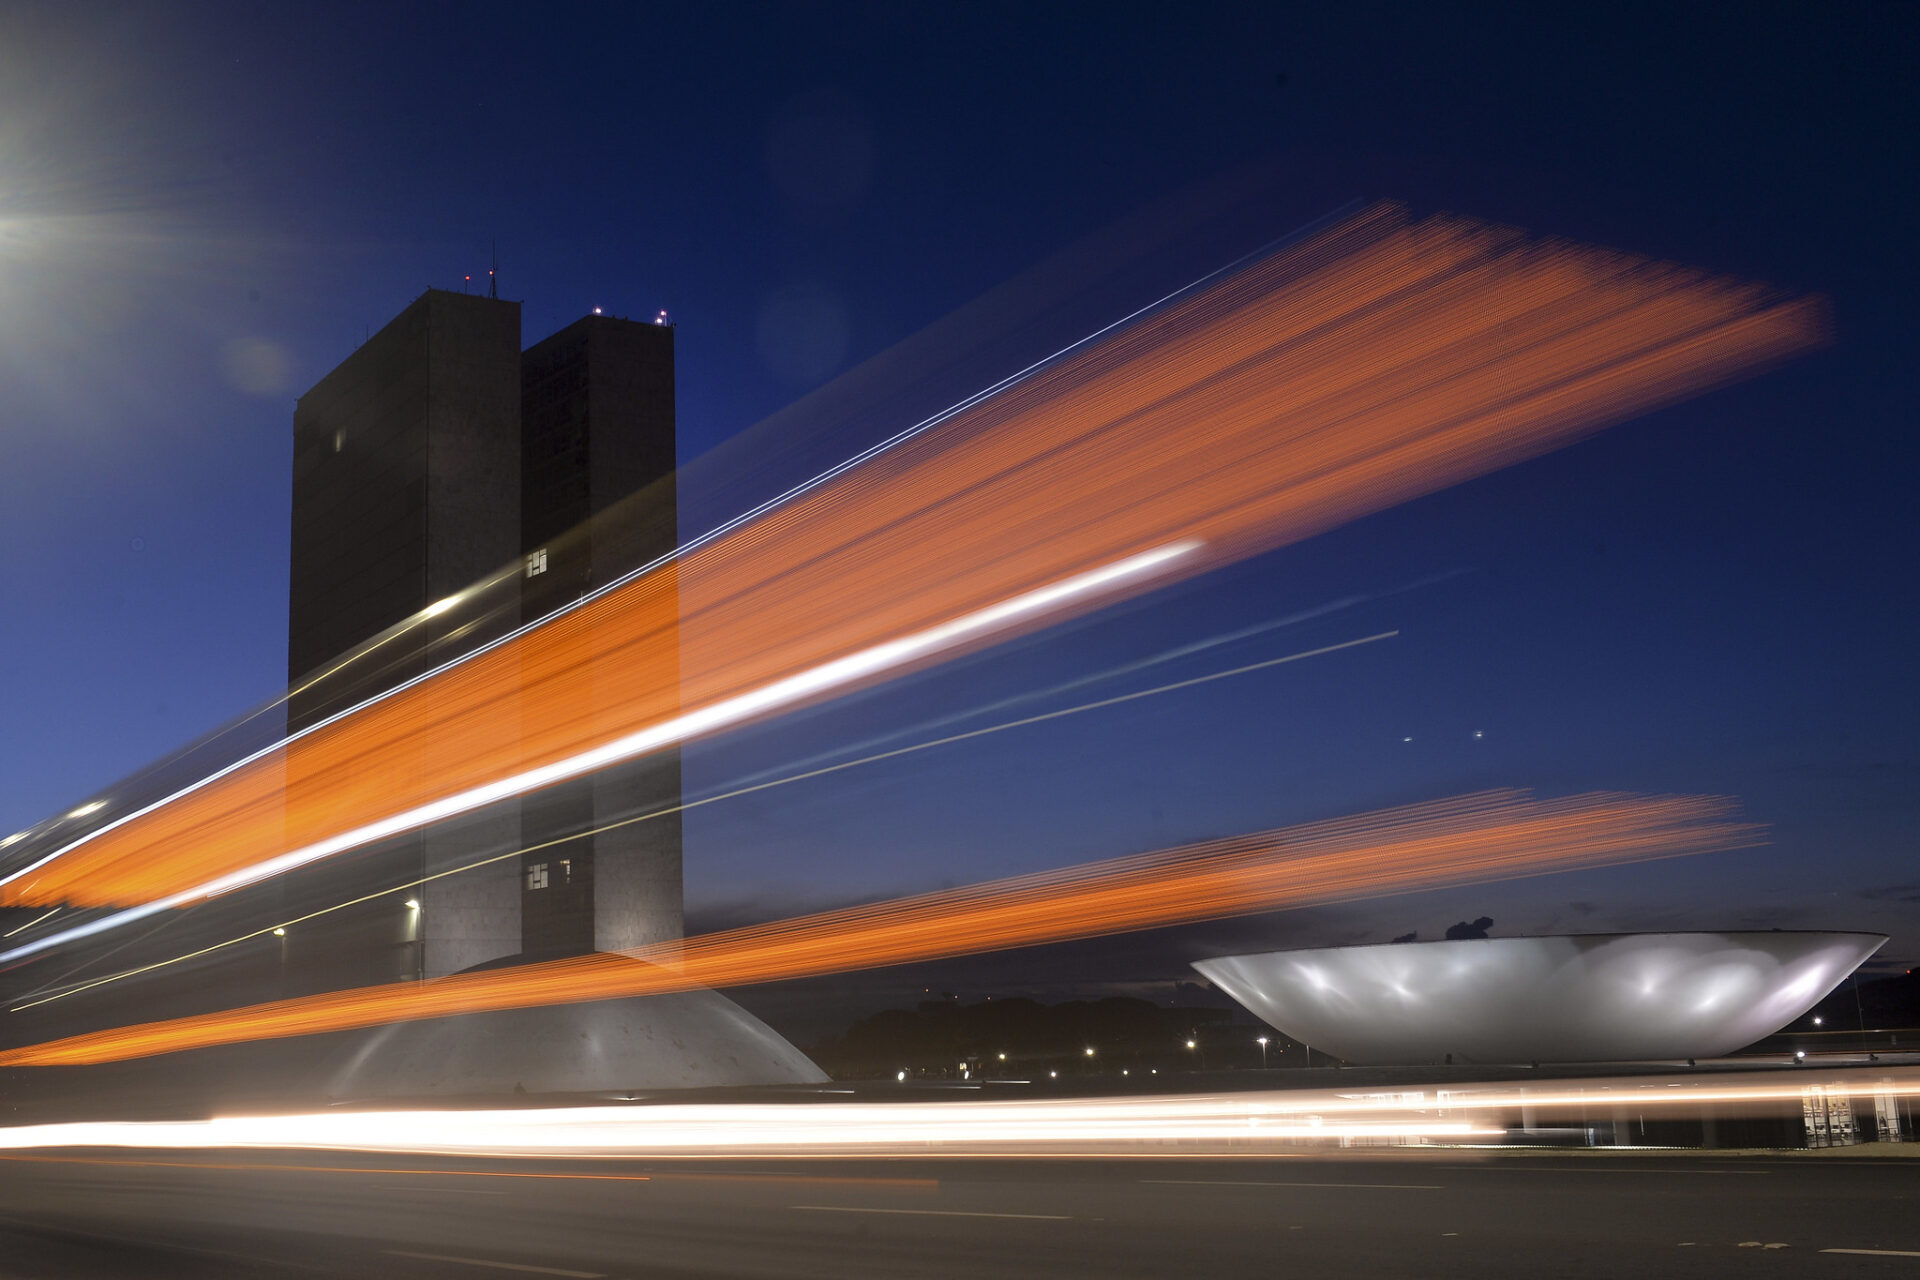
x: 1575, y: 998
x: 682, y: 1040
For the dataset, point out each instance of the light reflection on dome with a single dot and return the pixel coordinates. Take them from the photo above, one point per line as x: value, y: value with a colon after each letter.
x: 1572, y: 998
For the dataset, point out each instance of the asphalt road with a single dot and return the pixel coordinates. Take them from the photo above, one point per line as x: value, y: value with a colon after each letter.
x: 1384, y: 1214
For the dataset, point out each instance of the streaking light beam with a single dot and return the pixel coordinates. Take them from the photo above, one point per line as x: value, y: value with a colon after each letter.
x: 781, y: 693
x: 1469, y: 839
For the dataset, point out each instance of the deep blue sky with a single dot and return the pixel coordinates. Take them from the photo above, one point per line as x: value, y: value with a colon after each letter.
x: 203, y: 209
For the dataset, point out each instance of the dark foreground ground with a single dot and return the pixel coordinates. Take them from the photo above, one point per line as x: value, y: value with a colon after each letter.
x: 1389, y: 1214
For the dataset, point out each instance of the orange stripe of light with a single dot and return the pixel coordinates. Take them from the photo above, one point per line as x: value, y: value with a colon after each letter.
x: 1378, y: 361
x: 1473, y: 838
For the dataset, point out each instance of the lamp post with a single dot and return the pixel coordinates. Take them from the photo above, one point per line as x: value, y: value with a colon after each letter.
x: 1262, y: 1042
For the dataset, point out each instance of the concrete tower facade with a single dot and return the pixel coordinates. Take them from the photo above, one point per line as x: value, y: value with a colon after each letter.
x: 597, y: 411
x: 429, y: 459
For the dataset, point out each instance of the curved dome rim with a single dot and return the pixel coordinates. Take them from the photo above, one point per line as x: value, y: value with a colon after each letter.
x: 1554, y: 937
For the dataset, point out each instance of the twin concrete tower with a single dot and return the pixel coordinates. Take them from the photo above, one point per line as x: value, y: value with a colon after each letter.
x: 435, y: 455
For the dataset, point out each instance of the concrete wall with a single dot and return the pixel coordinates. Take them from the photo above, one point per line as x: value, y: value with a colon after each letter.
x: 406, y: 490
x: 598, y: 495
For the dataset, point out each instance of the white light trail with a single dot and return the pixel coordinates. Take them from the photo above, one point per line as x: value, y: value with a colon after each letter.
x: 22, y: 928
x: 807, y: 1128
x: 787, y: 692
x: 1204, y: 1124
x: 732, y: 793
x: 513, y: 569
x: 1237, y: 1123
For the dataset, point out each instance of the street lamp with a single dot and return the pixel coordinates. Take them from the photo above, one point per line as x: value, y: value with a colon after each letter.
x: 1262, y: 1042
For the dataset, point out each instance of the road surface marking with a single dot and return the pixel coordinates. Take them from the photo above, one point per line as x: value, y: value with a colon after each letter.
x: 498, y: 1266
x: 918, y: 1184
x: 931, y: 1213
x: 1725, y: 1173
x: 1639, y: 1168
x: 1219, y: 1182
x: 1879, y: 1253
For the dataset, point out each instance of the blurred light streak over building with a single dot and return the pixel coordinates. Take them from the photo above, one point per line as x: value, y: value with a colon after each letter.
x: 59, y: 992
x: 1469, y: 839
x: 1375, y: 361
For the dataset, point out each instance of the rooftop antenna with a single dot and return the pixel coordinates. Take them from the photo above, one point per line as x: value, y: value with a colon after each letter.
x: 493, y: 273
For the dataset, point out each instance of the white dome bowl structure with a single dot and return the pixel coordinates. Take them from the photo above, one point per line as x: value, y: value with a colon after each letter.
x: 680, y: 1040
x: 1604, y: 997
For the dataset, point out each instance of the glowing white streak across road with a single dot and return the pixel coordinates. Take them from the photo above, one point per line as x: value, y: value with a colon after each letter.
x: 787, y: 692
x: 746, y: 1128
x: 1237, y: 1123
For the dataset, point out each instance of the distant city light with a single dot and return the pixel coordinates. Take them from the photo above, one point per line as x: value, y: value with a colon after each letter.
x: 1192, y: 1045
x: 1053, y: 1075
x: 18, y: 835
x: 1089, y: 1051
x: 900, y: 1075
x: 413, y: 904
x: 1003, y: 1057
x: 1816, y: 1020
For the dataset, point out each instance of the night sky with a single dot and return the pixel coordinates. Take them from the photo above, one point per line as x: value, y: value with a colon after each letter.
x: 203, y: 210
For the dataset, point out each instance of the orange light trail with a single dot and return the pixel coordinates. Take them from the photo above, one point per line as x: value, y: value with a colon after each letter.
x: 1487, y: 836
x: 1375, y: 361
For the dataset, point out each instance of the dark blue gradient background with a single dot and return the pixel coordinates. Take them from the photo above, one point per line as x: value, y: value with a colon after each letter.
x: 201, y: 211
